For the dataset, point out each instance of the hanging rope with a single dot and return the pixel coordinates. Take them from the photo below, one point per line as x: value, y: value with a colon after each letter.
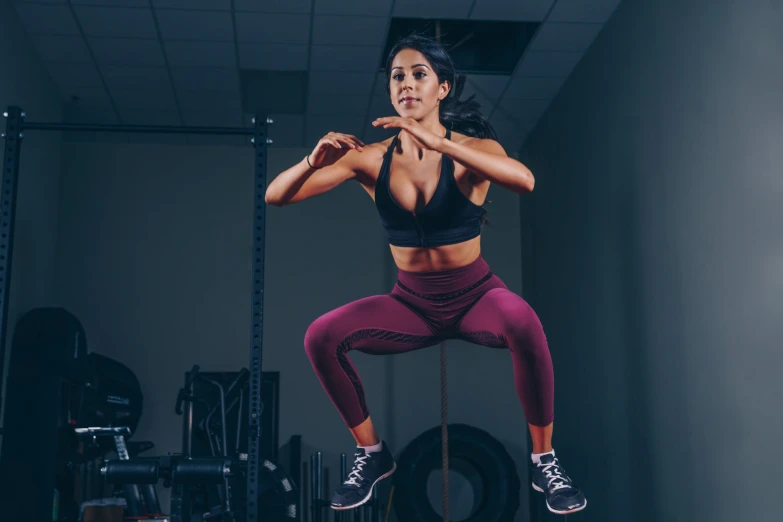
x: 444, y: 403
x: 444, y: 430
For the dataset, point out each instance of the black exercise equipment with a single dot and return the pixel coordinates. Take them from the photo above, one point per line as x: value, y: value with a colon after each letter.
x: 107, y: 393
x: 213, y: 406
x: 473, y: 452
x: 55, y: 391
x: 15, y: 128
x: 141, y: 498
x: 44, y: 340
x: 278, y: 494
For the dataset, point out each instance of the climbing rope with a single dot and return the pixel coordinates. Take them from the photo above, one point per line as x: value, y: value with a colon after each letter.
x: 444, y: 430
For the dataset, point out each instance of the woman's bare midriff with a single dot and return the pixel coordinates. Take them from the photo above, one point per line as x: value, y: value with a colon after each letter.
x: 425, y: 259
x: 436, y: 259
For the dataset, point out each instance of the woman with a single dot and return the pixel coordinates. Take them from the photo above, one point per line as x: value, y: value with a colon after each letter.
x: 445, y: 289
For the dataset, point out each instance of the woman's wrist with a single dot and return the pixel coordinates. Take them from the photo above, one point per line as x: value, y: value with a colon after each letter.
x: 307, y: 159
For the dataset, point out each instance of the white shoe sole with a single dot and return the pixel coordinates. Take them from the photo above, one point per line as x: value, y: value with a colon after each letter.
x: 556, y: 511
x: 369, y: 493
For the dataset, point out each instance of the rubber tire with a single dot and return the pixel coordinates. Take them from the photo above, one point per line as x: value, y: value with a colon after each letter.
x: 498, y: 472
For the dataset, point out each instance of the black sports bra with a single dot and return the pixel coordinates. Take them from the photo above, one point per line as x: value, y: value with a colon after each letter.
x: 448, y: 218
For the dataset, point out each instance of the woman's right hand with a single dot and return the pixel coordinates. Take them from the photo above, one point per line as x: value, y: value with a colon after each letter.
x: 332, y: 147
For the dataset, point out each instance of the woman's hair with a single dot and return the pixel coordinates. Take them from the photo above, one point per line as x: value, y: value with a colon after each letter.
x: 463, y: 116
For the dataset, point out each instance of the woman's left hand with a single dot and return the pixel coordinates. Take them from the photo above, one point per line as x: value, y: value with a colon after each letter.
x: 427, y: 138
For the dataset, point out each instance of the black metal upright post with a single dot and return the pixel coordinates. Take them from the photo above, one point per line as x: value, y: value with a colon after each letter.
x: 257, y: 310
x: 14, y: 128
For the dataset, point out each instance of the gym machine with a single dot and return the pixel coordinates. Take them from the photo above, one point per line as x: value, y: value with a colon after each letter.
x: 174, y: 471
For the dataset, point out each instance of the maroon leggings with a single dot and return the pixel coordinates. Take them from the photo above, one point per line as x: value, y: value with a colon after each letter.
x: 423, y: 309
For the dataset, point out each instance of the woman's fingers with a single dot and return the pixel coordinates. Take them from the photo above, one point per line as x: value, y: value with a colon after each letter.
x: 352, y: 143
x: 341, y: 141
x: 355, y: 139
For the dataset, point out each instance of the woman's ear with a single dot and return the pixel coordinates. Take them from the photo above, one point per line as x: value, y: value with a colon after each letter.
x: 445, y: 87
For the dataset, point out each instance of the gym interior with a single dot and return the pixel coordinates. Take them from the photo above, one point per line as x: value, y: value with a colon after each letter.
x: 154, y: 307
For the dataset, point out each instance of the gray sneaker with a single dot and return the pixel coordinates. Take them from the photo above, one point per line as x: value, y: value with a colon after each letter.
x: 562, y: 495
x: 368, y: 470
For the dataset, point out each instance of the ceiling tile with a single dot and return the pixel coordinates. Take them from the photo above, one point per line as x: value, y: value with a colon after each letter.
x: 201, y: 54
x: 564, y: 37
x: 524, y: 112
x: 47, y: 19
x: 151, y: 99
x: 196, y: 25
x: 280, y: 57
x: 486, y: 104
x: 136, y: 77
x: 73, y: 113
x: 208, y: 117
x: 113, y: 3
x: 68, y: 76
x: 337, y: 103
x: 208, y: 78
x: 594, y: 11
x: 349, y: 30
x: 548, y: 63
x: 353, y: 7
x: 116, y: 22
x: 127, y: 51
x: 93, y: 98
x: 198, y: 100
x: 510, y: 134
x: 317, y: 126
x: 344, y: 58
x: 529, y: 10
x: 340, y: 82
x: 523, y: 87
x: 207, y: 5
x: 274, y: 6
x: 61, y: 48
x: 489, y: 86
x: 287, y: 130
x: 432, y: 8
x: 273, y: 28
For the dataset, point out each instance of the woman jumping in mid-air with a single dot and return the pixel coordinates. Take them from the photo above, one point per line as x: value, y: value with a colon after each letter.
x: 429, y: 183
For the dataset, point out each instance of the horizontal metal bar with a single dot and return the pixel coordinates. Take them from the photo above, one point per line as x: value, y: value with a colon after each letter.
x: 151, y: 129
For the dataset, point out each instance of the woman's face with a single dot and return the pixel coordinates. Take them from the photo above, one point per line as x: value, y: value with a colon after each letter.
x: 413, y: 85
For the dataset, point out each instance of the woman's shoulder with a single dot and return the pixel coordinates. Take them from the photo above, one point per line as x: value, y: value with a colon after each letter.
x: 370, y: 159
x: 377, y: 149
x: 383, y: 144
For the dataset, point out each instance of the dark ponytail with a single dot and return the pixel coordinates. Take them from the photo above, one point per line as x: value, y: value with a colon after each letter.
x: 463, y: 116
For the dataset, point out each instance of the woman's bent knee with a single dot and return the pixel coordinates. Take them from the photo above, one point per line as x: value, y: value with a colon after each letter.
x: 316, y: 339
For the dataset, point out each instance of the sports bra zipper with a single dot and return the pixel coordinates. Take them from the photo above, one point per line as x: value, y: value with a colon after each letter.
x: 419, y: 229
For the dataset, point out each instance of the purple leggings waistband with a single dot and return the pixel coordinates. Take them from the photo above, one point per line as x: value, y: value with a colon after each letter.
x: 444, y: 281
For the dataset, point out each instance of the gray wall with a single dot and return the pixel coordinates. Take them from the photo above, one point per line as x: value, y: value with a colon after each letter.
x: 155, y: 260
x: 25, y: 83
x: 656, y: 262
